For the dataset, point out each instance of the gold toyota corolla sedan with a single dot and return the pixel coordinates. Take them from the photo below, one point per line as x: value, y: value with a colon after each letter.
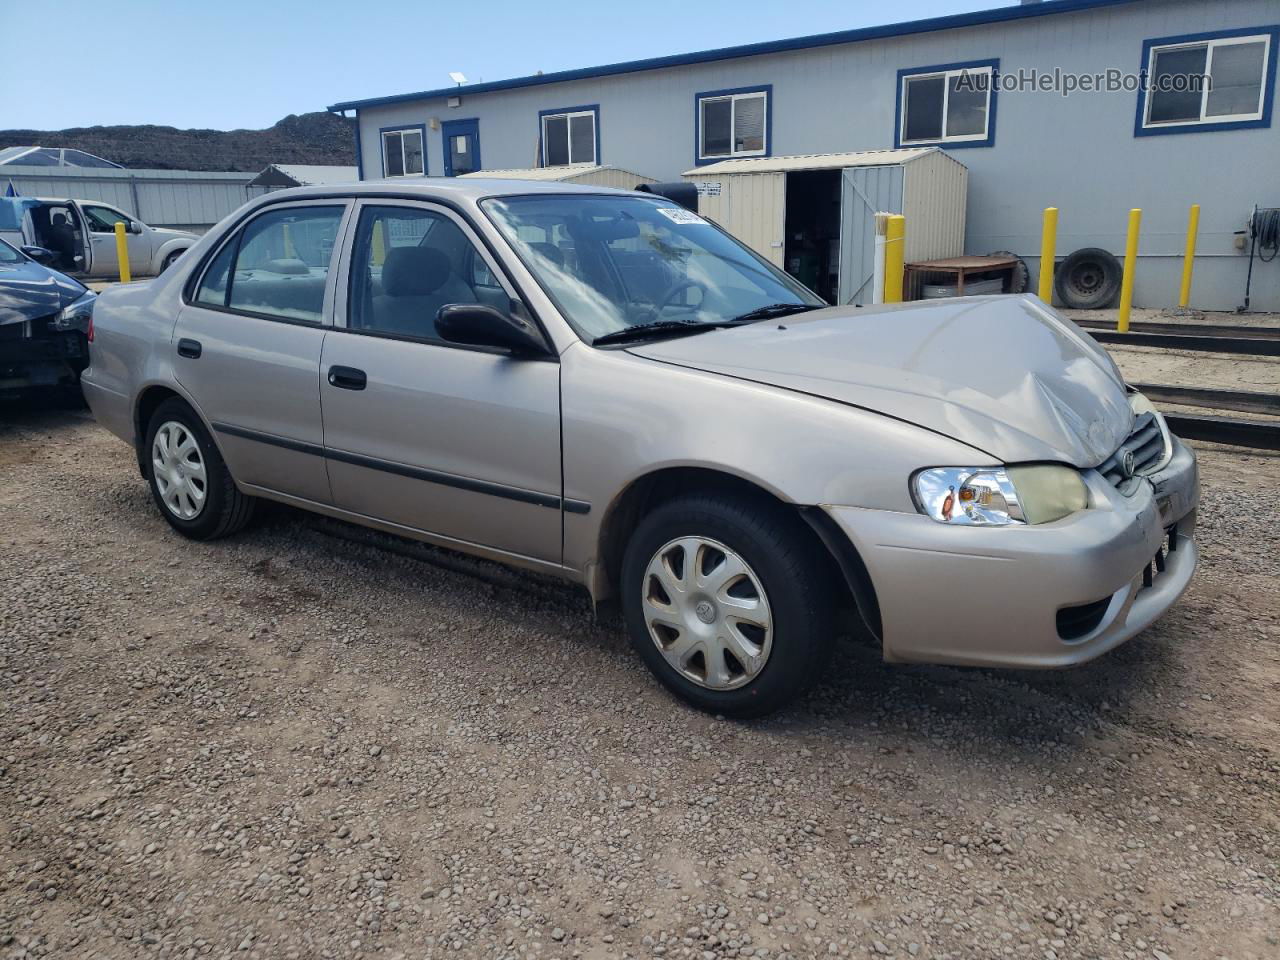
x: 604, y: 386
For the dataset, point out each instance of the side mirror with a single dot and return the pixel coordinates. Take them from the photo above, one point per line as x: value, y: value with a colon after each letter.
x: 480, y: 325
x: 134, y: 227
x: 40, y: 254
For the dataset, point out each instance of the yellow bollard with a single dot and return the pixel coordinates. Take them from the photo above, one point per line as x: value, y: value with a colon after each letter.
x: 893, y: 256
x: 379, y: 243
x: 290, y: 253
x: 1188, y: 258
x: 122, y: 252
x: 1130, y: 262
x: 1048, y: 241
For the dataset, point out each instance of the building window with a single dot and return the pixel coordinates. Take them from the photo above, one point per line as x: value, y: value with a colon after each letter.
x: 733, y: 123
x: 402, y: 154
x: 952, y: 104
x: 570, y: 135
x: 1208, y: 81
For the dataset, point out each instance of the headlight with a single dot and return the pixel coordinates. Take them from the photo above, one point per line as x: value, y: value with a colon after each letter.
x: 75, y: 315
x: 999, y: 496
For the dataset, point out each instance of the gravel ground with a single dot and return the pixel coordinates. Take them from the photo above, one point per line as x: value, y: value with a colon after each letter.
x: 292, y: 745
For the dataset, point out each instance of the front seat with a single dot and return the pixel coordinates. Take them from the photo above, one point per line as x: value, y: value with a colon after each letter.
x: 62, y: 241
x: 416, y: 283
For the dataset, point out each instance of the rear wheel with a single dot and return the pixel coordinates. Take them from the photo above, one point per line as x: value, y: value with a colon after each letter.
x: 189, y: 482
x: 728, y: 601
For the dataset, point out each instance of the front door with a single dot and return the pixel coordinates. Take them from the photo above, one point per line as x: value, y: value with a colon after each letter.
x: 459, y: 442
x: 102, y: 222
x: 247, y: 348
x: 461, y: 147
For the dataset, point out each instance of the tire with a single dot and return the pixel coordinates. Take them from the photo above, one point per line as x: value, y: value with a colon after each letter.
x: 170, y: 260
x: 1088, y: 279
x: 1020, y: 275
x: 786, y: 569
x: 222, y: 508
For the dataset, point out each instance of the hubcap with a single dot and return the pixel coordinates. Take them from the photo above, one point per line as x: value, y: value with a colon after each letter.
x: 707, y: 613
x: 178, y: 466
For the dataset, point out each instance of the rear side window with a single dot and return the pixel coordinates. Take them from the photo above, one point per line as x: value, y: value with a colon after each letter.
x: 277, y: 267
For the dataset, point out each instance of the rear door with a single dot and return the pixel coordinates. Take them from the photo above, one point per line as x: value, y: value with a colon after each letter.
x: 247, y: 345
x: 459, y: 442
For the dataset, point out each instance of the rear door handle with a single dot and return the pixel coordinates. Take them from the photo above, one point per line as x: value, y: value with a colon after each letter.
x: 347, y: 378
x: 189, y: 348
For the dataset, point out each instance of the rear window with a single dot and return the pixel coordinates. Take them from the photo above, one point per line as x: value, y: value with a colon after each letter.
x: 281, y: 265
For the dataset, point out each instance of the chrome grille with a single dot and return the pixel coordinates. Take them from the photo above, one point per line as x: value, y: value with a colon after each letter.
x: 1148, y: 446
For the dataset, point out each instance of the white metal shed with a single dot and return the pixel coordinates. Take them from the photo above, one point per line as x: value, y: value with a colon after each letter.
x: 589, y: 174
x: 765, y: 204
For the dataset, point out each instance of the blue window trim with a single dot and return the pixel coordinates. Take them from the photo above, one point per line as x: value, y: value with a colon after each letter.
x: 989, y: 141
x: 469, y: 122
x: 586, y: 108
x: 382, y: 149
x: 359, y: 158
x: 1269, y: 83
x: 765, y: 88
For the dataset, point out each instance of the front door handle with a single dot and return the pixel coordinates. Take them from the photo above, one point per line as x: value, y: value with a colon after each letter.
x: 347, y: 378
x: 189, y: 348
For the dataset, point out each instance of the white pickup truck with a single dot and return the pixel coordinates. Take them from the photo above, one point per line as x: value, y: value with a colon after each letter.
x: 80, y: 236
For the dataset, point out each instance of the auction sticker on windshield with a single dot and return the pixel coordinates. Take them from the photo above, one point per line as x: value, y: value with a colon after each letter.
x: 680, y: 215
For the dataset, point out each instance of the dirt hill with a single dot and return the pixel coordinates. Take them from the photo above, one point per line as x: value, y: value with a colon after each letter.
x: 298, y: 138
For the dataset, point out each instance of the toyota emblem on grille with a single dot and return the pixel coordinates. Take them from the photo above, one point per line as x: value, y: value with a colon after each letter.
x: 1128, y: 462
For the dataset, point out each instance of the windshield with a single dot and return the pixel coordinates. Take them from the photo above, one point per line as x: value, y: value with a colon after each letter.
x: 9, y: 255
x: 615, y: 262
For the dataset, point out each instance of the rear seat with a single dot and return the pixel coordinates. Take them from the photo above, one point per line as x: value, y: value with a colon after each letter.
x: 290, y: 295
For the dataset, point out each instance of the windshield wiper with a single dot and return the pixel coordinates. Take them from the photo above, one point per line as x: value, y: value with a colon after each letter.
x: 642, y: 330
x: 773, y: 310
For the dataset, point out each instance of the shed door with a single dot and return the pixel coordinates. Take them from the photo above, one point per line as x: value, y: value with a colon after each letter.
x: 864, y: 192
x: 752, y: 207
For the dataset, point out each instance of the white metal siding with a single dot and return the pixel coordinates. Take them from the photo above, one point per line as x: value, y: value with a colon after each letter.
x: 610, y: 177
x: 933, y: 201
x: 161, y: 198
x: 752, y: 207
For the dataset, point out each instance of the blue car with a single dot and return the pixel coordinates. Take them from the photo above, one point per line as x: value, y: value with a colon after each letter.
x: 44, y: 322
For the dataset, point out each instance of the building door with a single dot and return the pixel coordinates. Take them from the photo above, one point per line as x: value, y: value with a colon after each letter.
x: 461, y: 147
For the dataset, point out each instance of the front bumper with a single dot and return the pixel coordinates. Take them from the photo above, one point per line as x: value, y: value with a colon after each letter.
x: 42, y: 362
x: 991, y: 596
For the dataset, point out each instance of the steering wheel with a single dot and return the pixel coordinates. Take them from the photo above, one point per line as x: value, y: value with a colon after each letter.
x: 677, y: 288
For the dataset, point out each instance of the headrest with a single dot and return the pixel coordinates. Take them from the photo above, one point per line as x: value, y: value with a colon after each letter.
x: 58, y: 219
x: 550, y: 252
x: 414, y: 271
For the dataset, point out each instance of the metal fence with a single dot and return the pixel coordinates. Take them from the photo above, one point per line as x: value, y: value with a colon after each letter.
x: 188, y: 199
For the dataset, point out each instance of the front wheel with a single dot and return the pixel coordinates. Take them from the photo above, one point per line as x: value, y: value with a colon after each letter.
x: 170, y: 260
x: 189, y: 482
x: 728, y: 601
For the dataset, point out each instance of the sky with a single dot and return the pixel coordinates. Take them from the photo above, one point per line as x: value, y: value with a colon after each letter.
x: 228, y: 64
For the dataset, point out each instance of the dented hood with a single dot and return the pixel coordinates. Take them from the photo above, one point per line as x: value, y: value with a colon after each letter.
x: 1003, y: 374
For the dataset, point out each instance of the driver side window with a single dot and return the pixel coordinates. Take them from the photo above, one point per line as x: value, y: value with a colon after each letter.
x: 407, y: 263
x: 103, y: 219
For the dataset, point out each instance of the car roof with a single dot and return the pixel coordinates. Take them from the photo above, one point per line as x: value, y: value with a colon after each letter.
x: 446, y: 188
